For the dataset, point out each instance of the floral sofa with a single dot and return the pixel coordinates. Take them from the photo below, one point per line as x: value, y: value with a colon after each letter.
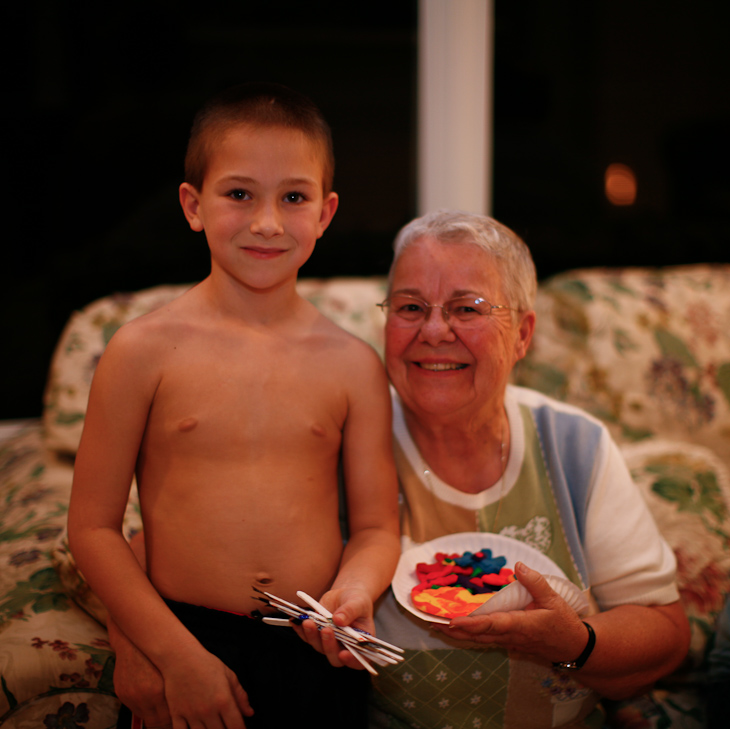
x: 647, y: 351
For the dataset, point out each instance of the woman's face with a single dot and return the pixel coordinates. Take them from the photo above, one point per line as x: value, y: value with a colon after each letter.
x: 446, y: 371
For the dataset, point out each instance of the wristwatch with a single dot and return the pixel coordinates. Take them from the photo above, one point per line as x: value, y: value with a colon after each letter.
x: 579, y: 662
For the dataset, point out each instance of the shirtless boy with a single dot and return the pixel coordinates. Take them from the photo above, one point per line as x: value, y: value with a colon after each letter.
x: 232, y: 406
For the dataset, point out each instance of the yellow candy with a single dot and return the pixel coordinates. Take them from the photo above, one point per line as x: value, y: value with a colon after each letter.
x: 448, y: 602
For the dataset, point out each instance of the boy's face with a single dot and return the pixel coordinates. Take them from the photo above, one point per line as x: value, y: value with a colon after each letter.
x: 262, y: 205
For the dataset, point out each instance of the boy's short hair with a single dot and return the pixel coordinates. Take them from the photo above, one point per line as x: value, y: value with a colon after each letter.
x: 257, y: 104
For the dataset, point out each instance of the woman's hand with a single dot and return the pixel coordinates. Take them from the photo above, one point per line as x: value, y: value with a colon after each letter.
x: 635, y: 644
x: 547, y: 628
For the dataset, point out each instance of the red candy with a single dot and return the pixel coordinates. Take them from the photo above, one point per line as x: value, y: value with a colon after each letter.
x: 436, y: 577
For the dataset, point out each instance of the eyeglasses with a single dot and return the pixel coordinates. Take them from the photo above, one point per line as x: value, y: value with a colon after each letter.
x: 465, y: 311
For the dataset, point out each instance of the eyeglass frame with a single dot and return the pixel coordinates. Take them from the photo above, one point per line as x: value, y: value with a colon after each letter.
x: 383, y: 305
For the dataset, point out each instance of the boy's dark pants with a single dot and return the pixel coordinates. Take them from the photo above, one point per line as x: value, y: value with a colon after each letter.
x: 286, y: 680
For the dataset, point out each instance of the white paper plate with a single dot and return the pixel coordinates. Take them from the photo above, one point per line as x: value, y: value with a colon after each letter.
x: 515, y: 597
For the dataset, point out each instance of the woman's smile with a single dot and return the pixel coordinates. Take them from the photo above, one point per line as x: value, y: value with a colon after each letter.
x: 440, y: 366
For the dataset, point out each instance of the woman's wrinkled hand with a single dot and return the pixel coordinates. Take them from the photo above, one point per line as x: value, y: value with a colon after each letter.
x: 547, y: 628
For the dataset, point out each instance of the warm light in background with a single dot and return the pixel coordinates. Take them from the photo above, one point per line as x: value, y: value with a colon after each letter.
x: 620, y: 184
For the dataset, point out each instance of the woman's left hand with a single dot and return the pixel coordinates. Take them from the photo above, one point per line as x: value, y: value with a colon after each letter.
x: 548, y: 627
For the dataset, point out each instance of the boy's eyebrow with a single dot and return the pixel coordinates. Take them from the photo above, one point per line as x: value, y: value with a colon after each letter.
x: 286, y: 182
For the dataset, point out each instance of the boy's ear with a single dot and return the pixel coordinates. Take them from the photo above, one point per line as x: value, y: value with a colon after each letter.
x: 329, y: 208
x: 190, y: 202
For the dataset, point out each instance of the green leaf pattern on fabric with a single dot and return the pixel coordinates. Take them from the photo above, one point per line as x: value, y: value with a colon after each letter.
x: 647, y: 351
x: 723, y: 379
x: 674, y: 348
x: 695, y: 492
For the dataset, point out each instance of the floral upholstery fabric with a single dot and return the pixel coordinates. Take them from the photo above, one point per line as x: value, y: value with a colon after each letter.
x: 55, y: 660
x: 647, y: 351
x: 688, y: 490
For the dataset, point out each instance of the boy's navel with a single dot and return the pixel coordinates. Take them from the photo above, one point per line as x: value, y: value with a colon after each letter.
x: 319, y: 429
x: 186, y: 425
x: 262, y: 578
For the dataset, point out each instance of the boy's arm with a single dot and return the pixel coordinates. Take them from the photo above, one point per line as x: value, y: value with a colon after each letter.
x: 373, y: 548
x: 121, y: 396
x: 137, y: 683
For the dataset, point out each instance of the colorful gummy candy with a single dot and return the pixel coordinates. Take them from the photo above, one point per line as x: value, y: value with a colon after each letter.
x: 457, y: 584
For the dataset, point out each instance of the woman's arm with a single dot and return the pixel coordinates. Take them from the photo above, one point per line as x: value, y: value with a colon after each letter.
x: 635, y: 644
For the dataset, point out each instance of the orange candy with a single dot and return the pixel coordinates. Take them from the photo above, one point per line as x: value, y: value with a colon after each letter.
x: 438, y: 594
x: 449, y: 602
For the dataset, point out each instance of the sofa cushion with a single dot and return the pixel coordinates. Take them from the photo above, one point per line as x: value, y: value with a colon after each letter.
x: 349, y: 302
x: 645, y: 350
x: 55, y: 662
x: 687, y: 488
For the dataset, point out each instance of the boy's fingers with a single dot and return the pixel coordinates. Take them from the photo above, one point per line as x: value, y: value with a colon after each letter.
x: 345, y: 615
x: 242, y: 700
x: 311, y: 634
x: 331, y: 647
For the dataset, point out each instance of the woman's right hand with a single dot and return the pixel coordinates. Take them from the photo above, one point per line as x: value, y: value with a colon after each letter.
x: 547, y: 628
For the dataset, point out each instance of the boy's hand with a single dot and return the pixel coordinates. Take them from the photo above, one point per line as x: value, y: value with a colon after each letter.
x: 349, y: 606
x: 205, y: 693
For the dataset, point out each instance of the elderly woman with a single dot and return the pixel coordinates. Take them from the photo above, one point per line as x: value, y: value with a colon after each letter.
x: 477, y: 454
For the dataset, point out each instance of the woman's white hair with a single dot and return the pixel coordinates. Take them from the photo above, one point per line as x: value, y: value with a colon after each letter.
x: 508, y: 250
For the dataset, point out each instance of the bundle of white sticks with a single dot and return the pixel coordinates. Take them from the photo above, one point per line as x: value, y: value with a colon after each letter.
x: 364, y: 646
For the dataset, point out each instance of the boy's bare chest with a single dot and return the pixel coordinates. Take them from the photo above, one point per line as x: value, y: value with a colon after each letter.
x: 250, y: 396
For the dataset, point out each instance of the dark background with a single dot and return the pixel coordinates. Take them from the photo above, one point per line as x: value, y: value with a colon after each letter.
x: 101, y: 96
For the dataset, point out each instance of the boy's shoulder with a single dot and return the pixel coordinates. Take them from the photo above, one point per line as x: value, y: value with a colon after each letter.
x: 155, y: 326
x: 343, y: 348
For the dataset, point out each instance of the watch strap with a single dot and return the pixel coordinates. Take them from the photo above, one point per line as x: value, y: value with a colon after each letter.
x: 579, y: 662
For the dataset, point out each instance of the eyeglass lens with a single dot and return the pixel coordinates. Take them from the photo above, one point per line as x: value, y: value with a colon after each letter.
x: 466, y: 310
